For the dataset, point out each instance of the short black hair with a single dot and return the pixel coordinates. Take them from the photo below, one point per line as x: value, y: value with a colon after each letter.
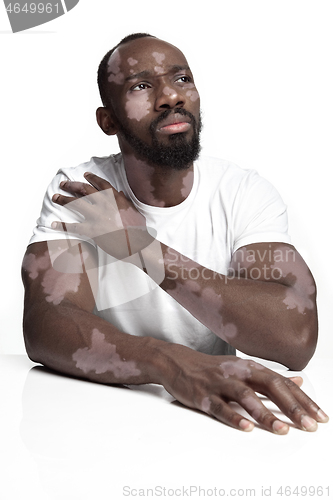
x: 102, y: 74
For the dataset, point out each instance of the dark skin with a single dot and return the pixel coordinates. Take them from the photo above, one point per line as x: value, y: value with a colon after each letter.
x: 272, y: 316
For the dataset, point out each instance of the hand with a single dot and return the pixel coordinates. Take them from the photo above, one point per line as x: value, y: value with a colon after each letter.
x: 209, y: 383
x: 105, y: 211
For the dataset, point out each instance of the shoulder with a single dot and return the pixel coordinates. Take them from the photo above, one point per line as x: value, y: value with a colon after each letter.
x: 228, y: 177
x: 102, y: 166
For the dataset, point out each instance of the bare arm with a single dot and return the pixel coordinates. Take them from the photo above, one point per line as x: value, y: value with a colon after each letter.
x: 60, y: 329
x: 265, y: 307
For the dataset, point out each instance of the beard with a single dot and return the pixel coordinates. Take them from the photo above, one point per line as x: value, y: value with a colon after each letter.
x: 179, y: 154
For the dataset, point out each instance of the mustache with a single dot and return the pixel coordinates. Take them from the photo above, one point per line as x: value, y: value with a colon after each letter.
x: 180, y: 111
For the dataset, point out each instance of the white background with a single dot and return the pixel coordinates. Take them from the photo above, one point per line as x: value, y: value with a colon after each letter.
x: 264, y: 72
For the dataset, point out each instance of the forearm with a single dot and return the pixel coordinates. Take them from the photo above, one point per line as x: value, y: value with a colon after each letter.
x: 251, y: 315
x: 78, y: 343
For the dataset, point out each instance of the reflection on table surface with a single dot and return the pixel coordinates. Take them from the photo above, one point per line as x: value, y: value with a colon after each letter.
x: 68, y: 438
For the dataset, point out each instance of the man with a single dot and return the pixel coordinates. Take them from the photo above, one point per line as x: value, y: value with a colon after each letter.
x: 153, y: 266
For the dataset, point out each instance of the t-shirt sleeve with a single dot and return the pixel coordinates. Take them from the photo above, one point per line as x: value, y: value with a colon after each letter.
x: 52, y: 212
x: 260, y: 214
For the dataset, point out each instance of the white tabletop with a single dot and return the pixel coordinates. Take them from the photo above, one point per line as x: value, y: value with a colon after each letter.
x: 63, y: 438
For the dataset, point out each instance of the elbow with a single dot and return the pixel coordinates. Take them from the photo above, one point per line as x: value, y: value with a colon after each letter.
x: 30, y: 338
x: 29, y: 346
x: 302, y: 347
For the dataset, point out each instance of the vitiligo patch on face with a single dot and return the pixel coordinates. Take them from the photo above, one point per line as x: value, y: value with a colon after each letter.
x: 56, y: 285
x: 159, y: 57
x: 137, y: 106
x: 131, y: 61
x: 167, y: 91
x: 102, y: 357
x: 193, y: 95
x: 116, y: 76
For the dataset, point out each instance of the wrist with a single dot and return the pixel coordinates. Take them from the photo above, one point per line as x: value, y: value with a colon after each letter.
x: 137, y: 238
x: 167, y: 361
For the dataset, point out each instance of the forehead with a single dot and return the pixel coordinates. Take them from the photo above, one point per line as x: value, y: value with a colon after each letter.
x: 145, y: 54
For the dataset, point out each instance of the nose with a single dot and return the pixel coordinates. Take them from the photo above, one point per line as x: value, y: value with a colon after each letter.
x: 169, y: 97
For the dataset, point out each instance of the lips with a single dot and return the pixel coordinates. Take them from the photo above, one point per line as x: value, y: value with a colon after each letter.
x: 174, y: 121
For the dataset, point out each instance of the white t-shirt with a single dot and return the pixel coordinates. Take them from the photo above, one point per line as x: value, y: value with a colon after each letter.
x: 227, y: 208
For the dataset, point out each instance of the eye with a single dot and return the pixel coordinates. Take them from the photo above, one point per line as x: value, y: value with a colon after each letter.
x: 140, y: 86
x: 184, y: 79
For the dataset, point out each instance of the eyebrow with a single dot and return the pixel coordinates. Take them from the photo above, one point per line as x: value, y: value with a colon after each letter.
x: 147, y: 73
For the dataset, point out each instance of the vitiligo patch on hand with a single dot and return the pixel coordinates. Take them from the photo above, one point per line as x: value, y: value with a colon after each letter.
x: 252, y: 406
x: 205, y: 405
x: 102, y: 357
x: 240, y: 368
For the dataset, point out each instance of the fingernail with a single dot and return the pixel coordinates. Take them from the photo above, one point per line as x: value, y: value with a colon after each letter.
x: 308, y: 423
x: 54, y: 225
x: 280, y: 427
x: 246, y: 425
x: 55, y: 197
x: 322, y: 416
x: 62, y: 183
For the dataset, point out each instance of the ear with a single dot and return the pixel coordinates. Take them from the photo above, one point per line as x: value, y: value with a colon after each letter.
x: 106, y: 121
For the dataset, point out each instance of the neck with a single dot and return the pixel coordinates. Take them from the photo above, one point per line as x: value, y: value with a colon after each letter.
x: 155, y: 185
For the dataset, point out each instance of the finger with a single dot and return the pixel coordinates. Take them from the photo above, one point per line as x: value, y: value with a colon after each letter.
x: 80, y: 205
x: 293, y: 402
x: 77, y: 188
x: 254, y: 406
x: 60, y: 199
x: 308, y: 404
x: 73, y: 228
x: 297, y: 380
x: 288, y: 396
x: 97, y: 181
x: 246, y: 397
x: 218, y: 408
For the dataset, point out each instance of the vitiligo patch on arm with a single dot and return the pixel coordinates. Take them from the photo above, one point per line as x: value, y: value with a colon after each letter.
x: 34, y: 265
x: 57, y: 285
x: 102, y: 357
x: 300, y: 295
